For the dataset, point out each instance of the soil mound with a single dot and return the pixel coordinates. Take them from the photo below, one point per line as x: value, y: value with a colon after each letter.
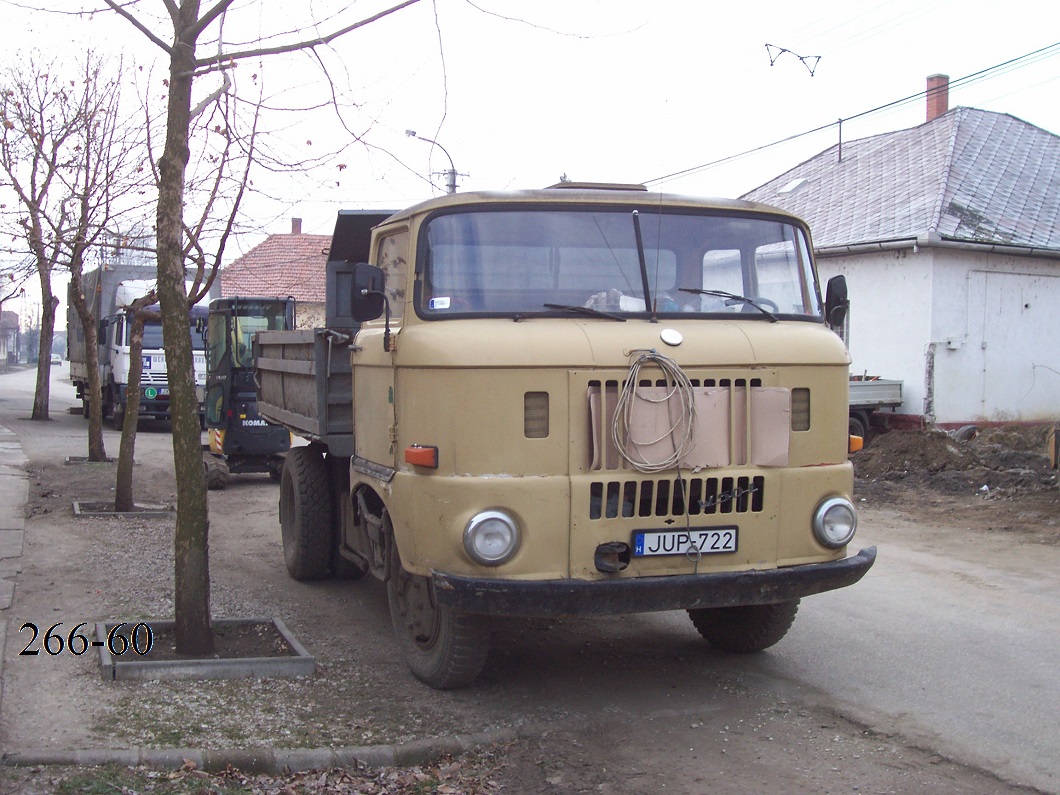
x: 999, y: 461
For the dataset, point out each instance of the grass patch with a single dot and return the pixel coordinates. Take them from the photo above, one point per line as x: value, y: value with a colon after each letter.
x: 111, y: 779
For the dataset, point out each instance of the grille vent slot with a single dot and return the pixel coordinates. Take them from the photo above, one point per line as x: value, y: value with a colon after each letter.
x: 628, y: 499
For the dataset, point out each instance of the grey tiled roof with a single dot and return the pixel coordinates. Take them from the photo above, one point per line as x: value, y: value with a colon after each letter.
x: 969, y: 175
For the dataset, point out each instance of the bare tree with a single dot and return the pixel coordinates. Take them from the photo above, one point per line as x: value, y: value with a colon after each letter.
x: 65, y: 153
x: 188, y: 22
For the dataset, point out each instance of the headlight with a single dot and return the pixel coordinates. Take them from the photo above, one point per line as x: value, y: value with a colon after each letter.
x: 834, y: 522
x: 491, y: 538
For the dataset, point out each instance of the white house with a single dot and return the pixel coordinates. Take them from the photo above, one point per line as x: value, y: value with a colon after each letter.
x: 949, y: 238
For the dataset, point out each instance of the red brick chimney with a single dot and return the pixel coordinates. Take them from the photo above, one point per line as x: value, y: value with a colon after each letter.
x: 296, y: 226
x: 938, y: 96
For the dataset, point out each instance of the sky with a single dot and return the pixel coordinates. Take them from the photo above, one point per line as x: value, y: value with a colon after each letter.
x: 521, y: 94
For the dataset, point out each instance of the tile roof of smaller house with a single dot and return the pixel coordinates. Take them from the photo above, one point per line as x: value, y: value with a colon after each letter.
x: 969, y: 175
x: 282, y: 265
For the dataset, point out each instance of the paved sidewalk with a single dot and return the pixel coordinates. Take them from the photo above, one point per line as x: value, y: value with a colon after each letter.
x: 14, y: 491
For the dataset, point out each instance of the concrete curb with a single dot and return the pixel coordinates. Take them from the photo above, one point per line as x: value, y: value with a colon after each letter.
x: 266, y: 760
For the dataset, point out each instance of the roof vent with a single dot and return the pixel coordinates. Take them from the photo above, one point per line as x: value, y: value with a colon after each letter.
x: 792, y: 187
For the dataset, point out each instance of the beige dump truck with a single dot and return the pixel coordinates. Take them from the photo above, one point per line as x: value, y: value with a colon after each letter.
x: 582, y: 400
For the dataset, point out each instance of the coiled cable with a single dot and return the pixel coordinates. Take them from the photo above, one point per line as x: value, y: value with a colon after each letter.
x: 679, y: 395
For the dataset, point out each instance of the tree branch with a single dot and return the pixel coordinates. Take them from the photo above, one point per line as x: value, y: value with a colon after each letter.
x: 118, y: 9
x: 309, y: 43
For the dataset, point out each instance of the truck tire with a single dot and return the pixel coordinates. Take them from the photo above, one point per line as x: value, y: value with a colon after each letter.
x: 217, y: 473
x: 443, y: 648
x: 859, y: 425
x: 305, y: 514
x: 745, y: 629
x: 117, y: 417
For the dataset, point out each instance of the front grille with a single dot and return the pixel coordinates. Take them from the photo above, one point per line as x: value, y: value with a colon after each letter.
x: 627, y: 499
x: 739, y: 421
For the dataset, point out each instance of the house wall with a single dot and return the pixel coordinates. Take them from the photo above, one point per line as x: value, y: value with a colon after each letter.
x: 973, y: 336
x: 890, y: 299
x: 308, y: 315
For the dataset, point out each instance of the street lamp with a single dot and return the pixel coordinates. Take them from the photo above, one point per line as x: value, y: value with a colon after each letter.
x: 450, y: 175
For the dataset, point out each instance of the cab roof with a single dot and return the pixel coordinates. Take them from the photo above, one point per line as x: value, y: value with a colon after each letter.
x: 582, y: 193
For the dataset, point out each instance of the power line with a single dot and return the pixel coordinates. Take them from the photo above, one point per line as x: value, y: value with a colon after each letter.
x: 975, y: 77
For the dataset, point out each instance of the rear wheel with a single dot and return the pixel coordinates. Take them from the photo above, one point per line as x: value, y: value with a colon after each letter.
x: 748, y: 628
x: 117, y: 418
x: 443, y: 648
x: 305, y: 514
x: 859, y: 425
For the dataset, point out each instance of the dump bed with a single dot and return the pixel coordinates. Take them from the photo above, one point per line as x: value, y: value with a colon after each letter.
x: 304, y: 383
x: 303, y: 377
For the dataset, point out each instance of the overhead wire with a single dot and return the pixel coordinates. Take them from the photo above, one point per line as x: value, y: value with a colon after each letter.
x: 984, y: 74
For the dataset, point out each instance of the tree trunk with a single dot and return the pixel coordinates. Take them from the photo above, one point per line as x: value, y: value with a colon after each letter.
x: 93, y: 398
x: 42, y: 394
x: 192, y: 572
x: 123, y: 487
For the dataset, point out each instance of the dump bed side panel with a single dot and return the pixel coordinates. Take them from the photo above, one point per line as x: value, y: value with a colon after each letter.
x: 875, y: 392
x: 304, y: 383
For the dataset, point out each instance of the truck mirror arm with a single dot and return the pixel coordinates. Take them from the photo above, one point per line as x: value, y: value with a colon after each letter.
x: 386, y: 314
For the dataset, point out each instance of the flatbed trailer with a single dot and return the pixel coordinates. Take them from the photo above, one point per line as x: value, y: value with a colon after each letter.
x: 869, y: 394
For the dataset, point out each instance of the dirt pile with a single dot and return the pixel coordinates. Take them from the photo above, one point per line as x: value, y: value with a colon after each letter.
x: 1001, y: 461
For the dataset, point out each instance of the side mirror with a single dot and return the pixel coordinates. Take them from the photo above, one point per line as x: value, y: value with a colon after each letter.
x: 367, y: 299
x: 836, y: 302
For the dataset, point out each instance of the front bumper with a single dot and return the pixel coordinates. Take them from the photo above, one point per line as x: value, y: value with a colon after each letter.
x: 647, y: 594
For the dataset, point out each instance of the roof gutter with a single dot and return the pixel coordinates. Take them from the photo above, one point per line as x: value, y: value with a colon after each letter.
x: 932, y: 240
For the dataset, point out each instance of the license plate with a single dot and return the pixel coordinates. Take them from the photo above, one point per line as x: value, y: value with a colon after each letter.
x: 708, y: 540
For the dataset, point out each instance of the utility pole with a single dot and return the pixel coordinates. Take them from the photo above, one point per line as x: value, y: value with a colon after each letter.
x: 451, y: 174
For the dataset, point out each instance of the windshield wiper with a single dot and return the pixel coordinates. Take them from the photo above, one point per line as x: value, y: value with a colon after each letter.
x: 731, y: 299
x: 648, y: 303
x: 585, y: 310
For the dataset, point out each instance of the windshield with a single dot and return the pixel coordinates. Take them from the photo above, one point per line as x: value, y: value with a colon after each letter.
x: 515, y: 261
x: 153, y: 334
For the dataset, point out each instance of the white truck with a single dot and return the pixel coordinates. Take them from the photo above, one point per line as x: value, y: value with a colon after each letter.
x: 110, y: 291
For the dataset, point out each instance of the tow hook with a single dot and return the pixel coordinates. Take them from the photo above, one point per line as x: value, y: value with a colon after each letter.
x: 611, y: 557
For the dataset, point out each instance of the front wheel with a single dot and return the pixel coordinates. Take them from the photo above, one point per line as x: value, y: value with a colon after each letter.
x: 305, y: 514
x: 443, y: 648
x: 744, y: 629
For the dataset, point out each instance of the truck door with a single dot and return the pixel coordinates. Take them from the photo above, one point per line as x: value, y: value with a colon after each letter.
x: 218, y: 367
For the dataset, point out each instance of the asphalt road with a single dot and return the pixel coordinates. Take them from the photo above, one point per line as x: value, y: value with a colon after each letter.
x: 952, y: 641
